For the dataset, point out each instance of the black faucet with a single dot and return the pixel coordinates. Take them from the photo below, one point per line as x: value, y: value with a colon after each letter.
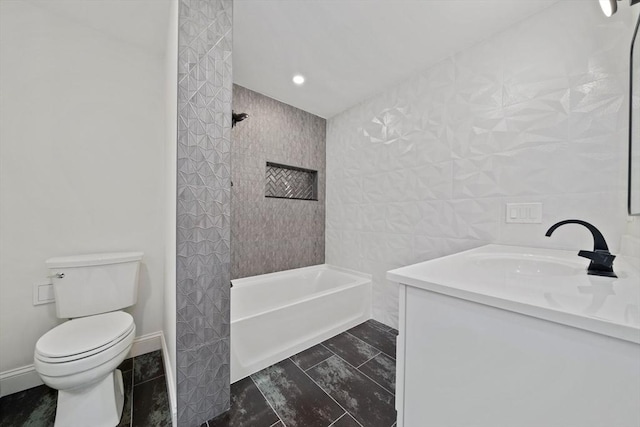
x: 601, y: 259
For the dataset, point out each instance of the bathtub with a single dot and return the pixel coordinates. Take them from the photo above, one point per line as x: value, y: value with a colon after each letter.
x: 274, y: 316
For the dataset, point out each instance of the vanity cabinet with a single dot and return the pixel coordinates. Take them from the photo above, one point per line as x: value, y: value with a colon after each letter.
x: 509, y: 353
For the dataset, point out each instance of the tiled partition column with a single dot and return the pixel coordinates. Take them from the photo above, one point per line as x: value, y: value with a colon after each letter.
x: 203, y: 233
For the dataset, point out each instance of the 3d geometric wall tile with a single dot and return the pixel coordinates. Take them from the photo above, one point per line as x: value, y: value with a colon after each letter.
x: 534, y: 114
x: 203, y: 210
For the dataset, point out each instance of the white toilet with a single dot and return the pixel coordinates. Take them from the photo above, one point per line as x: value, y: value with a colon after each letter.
x: 79, y: 357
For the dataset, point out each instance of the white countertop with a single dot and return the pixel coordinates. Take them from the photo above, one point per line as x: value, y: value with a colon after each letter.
x: 544, y: 283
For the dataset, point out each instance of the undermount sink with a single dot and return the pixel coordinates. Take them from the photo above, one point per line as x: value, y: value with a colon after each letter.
x: 527, y: 264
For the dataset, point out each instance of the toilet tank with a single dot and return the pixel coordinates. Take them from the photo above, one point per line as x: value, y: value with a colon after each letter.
x: 84, y: 285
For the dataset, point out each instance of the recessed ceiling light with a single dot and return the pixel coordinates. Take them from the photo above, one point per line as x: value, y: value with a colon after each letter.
x: 609, y: 7
x: 298, y: 79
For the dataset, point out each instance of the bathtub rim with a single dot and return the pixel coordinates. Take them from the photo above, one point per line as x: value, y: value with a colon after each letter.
x: 361, y: 279
x: 246, y: 281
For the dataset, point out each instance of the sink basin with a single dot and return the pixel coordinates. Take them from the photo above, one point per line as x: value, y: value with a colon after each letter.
x: 526, y: 264
x: 549, y: 284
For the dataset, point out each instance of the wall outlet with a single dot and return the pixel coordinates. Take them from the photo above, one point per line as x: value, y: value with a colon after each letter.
x: 524, y: 213
x: 43, y: 293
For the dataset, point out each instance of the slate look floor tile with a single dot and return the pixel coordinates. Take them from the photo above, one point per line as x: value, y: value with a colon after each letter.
x: 147, y: 399
x: 384, y: 341
x: 248, y: 408
x: 127, y: 365
x: 381, y: 369
x: 297, y: 400
x: 301, y: 400
x: 378, y: 325
x: 357, y: 372
x: 35, y: 407
x: 367, y: 402
x: 151, y: 404
x: 311, y: 356
x: 351, y: 349
x: 147, y: 367
x: 346, y: 421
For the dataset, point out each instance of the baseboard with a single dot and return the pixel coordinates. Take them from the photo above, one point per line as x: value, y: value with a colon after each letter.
x: 146, y: 344
x: 15, y: 380
x: 25, y: 377
x: 171, y: 385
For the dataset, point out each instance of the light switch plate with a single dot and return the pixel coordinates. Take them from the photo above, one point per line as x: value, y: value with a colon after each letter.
x: 523, y: 213
x: 43, y: 293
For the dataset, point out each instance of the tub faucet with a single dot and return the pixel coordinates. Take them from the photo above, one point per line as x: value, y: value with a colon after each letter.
x: 601, y: 259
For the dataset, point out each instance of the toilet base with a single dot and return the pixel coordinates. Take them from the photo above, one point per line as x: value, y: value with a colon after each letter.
x: 99, y: 404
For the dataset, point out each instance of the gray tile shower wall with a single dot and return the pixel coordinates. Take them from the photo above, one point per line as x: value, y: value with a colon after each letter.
x: 269, y: 234
x: 203, y: 209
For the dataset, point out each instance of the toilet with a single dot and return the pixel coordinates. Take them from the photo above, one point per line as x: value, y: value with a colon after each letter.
x: 79, y: 357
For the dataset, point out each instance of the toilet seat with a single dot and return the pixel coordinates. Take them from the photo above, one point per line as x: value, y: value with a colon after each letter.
x: 84, y: 343
x: 82, y: 337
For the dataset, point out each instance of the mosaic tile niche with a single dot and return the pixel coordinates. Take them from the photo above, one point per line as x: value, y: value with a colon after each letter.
x: 271, y: 234
x: 203, y: 209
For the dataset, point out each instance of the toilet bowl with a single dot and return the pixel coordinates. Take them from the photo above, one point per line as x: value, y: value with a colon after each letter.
x: 79, y: 358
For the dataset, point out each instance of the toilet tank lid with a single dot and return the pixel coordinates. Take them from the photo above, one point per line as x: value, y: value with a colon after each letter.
x: 93, y: 259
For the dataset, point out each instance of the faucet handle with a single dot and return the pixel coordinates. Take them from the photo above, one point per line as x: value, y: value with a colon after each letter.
x: 603, y: 258
x: 601, y: 262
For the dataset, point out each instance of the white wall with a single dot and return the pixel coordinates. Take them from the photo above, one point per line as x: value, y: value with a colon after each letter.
x: 537, y: 113
x: 82, y: 151
x: 171, y: 162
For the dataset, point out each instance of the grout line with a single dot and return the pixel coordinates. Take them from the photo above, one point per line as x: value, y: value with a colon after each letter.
x: 370, y: 345
x: 311, y: 367
x: 132, y: 377
x: 337, y: 419
x: 349, y: 363
x: 330, y: 351
x: 280, y: 421
x: 372, y: 380
x: 357, y: 367
x: 375, y: 382
x: 369, y: 360
x: 330, y: 397
x: 373, y: 325
x: 267, y: 400
x: 146, y: 381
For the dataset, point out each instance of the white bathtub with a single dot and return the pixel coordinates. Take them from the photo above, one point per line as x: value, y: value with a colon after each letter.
x: 274, y: 316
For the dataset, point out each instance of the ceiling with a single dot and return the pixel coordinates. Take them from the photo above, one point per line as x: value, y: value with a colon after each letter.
x: 349, y: 50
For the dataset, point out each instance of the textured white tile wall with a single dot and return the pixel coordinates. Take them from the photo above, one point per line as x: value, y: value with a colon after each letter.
x: 534, y: 114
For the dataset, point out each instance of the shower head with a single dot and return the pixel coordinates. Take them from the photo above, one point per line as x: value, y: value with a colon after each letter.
x: 235, y: 118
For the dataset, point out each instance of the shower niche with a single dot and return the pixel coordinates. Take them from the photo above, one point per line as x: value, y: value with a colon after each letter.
x: 290, y: 182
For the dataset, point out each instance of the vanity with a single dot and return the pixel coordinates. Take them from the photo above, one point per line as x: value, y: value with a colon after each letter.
x: 506, y: 336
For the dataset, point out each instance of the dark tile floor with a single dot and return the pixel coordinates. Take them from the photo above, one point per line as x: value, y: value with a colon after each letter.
x: 146, y: 402
x: 348, y: 380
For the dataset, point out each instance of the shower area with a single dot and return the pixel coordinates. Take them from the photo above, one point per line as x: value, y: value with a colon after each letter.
x: 252, y: 287
x: 278, y: 193
x: 284, y: 300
